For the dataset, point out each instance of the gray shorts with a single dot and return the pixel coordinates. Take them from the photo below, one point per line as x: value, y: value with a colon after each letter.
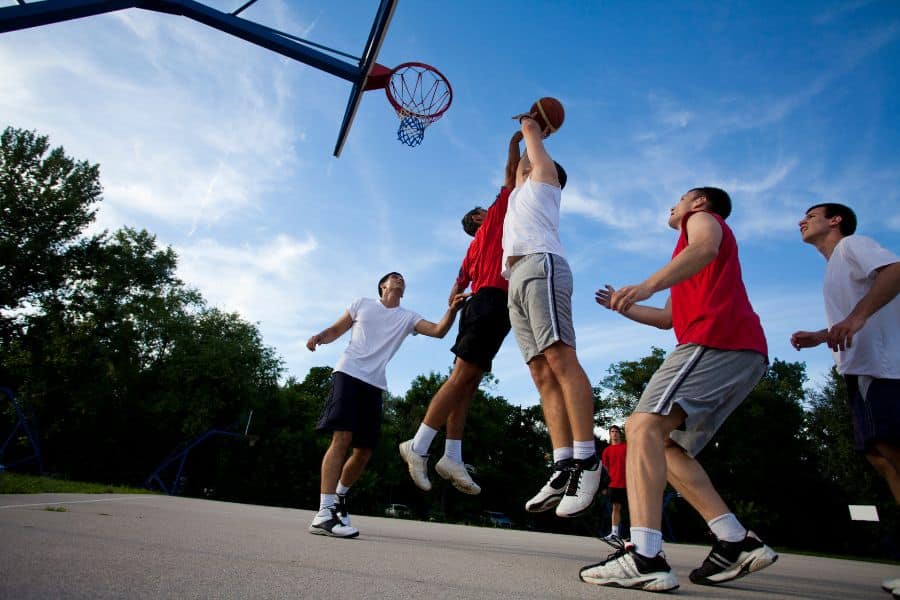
x: 540, y: 303
x: 708, y: 384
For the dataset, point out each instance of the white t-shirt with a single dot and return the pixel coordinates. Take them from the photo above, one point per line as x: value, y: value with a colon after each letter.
x: 375, y: 337
x: 849, y: 275
x: 532, y: 222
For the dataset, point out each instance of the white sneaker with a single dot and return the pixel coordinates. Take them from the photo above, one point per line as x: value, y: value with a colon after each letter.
x: 328, y: 522
x: 341, y: 507
x: 418, y: 465
x: 587, y: 478
x: 627, y: 569
x: 553, y: 491
x: 458, y: 476
x: 889, y: 585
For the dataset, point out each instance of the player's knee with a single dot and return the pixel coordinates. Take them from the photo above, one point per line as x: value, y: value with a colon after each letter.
x: 341, y: 440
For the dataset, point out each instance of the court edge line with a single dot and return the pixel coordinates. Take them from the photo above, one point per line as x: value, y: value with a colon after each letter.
x: 70, y: 501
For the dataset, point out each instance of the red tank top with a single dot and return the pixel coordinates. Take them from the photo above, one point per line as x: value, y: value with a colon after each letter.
x: 613, y: 459
x: 481, y: 266
x: 711, y: 308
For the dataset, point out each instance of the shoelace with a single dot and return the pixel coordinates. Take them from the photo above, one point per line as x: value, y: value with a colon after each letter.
x: 574, y: 479
x: 620, y: 548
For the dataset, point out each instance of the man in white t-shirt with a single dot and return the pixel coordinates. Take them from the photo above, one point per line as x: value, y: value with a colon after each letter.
x: 352, y: 413
x: 862, y: 282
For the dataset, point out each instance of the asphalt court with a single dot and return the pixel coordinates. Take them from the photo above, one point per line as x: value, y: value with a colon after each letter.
x: 149, y: 546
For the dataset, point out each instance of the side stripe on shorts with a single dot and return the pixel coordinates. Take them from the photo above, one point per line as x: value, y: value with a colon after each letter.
x: 551, y: 291
x: 685, y: 370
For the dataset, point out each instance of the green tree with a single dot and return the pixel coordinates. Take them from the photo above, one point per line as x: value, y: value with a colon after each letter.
x: 618, y: 393
x: 46, y: 200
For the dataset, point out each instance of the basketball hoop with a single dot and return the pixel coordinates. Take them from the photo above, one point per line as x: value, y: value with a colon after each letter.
x: 419, y: 93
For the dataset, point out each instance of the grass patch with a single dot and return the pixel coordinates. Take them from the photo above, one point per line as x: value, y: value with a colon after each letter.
x: 56, y: 509
x: 17, y: 483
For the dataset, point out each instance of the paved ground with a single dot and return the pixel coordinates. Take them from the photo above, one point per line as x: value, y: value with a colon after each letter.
x: 103, y: 546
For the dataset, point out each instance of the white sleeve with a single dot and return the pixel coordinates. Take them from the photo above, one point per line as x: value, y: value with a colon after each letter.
x: 867, y: 255
x: 354, y: 308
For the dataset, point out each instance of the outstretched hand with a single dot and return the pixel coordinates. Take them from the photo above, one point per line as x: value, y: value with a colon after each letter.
x: 458, y: 300
x: 807, y: 339
x: 516, y: 137
x: 623, y: 299
x: 314, y: 341
x: 603, y: 296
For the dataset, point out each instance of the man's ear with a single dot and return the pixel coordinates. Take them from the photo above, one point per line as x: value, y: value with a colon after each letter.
x: 699, y: 202
x: 835, y: 221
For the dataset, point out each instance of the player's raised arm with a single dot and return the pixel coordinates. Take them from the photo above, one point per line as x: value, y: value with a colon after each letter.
x: 512, y: 160
x: 328, y: 335
x: 646, y: 315
x: 542, y: 167
x: 440, y: 329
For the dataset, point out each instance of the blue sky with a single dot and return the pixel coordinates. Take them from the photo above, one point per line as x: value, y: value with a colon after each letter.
x: 223, y: 150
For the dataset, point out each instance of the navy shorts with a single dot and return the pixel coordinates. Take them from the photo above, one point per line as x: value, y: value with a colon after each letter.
x: 875, y: 414
x: 483, y: 326
x: 352, y: 405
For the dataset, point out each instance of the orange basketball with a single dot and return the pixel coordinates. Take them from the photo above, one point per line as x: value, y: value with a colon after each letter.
x: 549, y: 112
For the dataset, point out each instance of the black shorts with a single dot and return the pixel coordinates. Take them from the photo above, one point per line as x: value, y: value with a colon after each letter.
x: 618, y: 495
x: 483, y: 326
x: 352, y: 405
x: 876, y: 418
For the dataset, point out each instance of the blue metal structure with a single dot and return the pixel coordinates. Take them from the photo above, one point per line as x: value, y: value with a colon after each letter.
x: 21, y: 424
x: 180, y: 455
x: 44, y: 12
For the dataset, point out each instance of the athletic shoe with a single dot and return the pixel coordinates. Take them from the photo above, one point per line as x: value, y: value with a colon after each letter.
x: 627, y: 569
x: 889, y: 585
x: 554, y: 489
x: 418, y: 465
x: 587, y: 478
x: 612, y: 538
x: 341, y: 507
x: 328, y: 522
x: 458, y: 476
x: 730, y: 560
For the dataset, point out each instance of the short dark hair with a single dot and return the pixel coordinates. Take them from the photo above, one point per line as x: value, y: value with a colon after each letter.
x: 833, y: 209
x: 468, y: 221
x: 561, y: 175
x: 717, y: 200
x: 616, y: 427
x: 383, y: 279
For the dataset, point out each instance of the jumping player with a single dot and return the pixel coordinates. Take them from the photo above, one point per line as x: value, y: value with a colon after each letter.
x: 540, y: 311
x: 720, y: 357
x: 483, y: 326
x: 352, y: 413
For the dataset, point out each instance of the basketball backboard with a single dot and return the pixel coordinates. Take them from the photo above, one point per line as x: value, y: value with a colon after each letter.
x: 36, y: 13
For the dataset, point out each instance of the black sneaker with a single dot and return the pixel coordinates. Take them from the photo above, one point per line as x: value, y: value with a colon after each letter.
x: 730, y: 560
x: 627, y: 569
x: 328, y: 522
x: 588, y: 477
x: 552, y: 492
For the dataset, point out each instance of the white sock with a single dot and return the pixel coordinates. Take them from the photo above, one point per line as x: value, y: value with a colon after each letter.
x: 647, y: 542
x: 453, y: 450
x: 727, y: 528
x: 585, y: 449
x: 615, y: 530
x: 327, y: 500
x: 562, y: 453
x: 342, y: 489
x: 423, y: 438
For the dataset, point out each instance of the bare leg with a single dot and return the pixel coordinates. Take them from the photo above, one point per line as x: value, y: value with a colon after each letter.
x: 333, y: 461
x: 576, y: 389
x: 451, y: 402
x: 616, y: 517
x: 886, y: 460
x: 645, y: 466
x: 552, y: 403
x: 690, y: 479
x: 355, y: 465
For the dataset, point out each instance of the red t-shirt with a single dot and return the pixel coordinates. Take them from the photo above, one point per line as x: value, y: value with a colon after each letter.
x: 481, y: 266
x: 711, y: 308
x: 613, y: 458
